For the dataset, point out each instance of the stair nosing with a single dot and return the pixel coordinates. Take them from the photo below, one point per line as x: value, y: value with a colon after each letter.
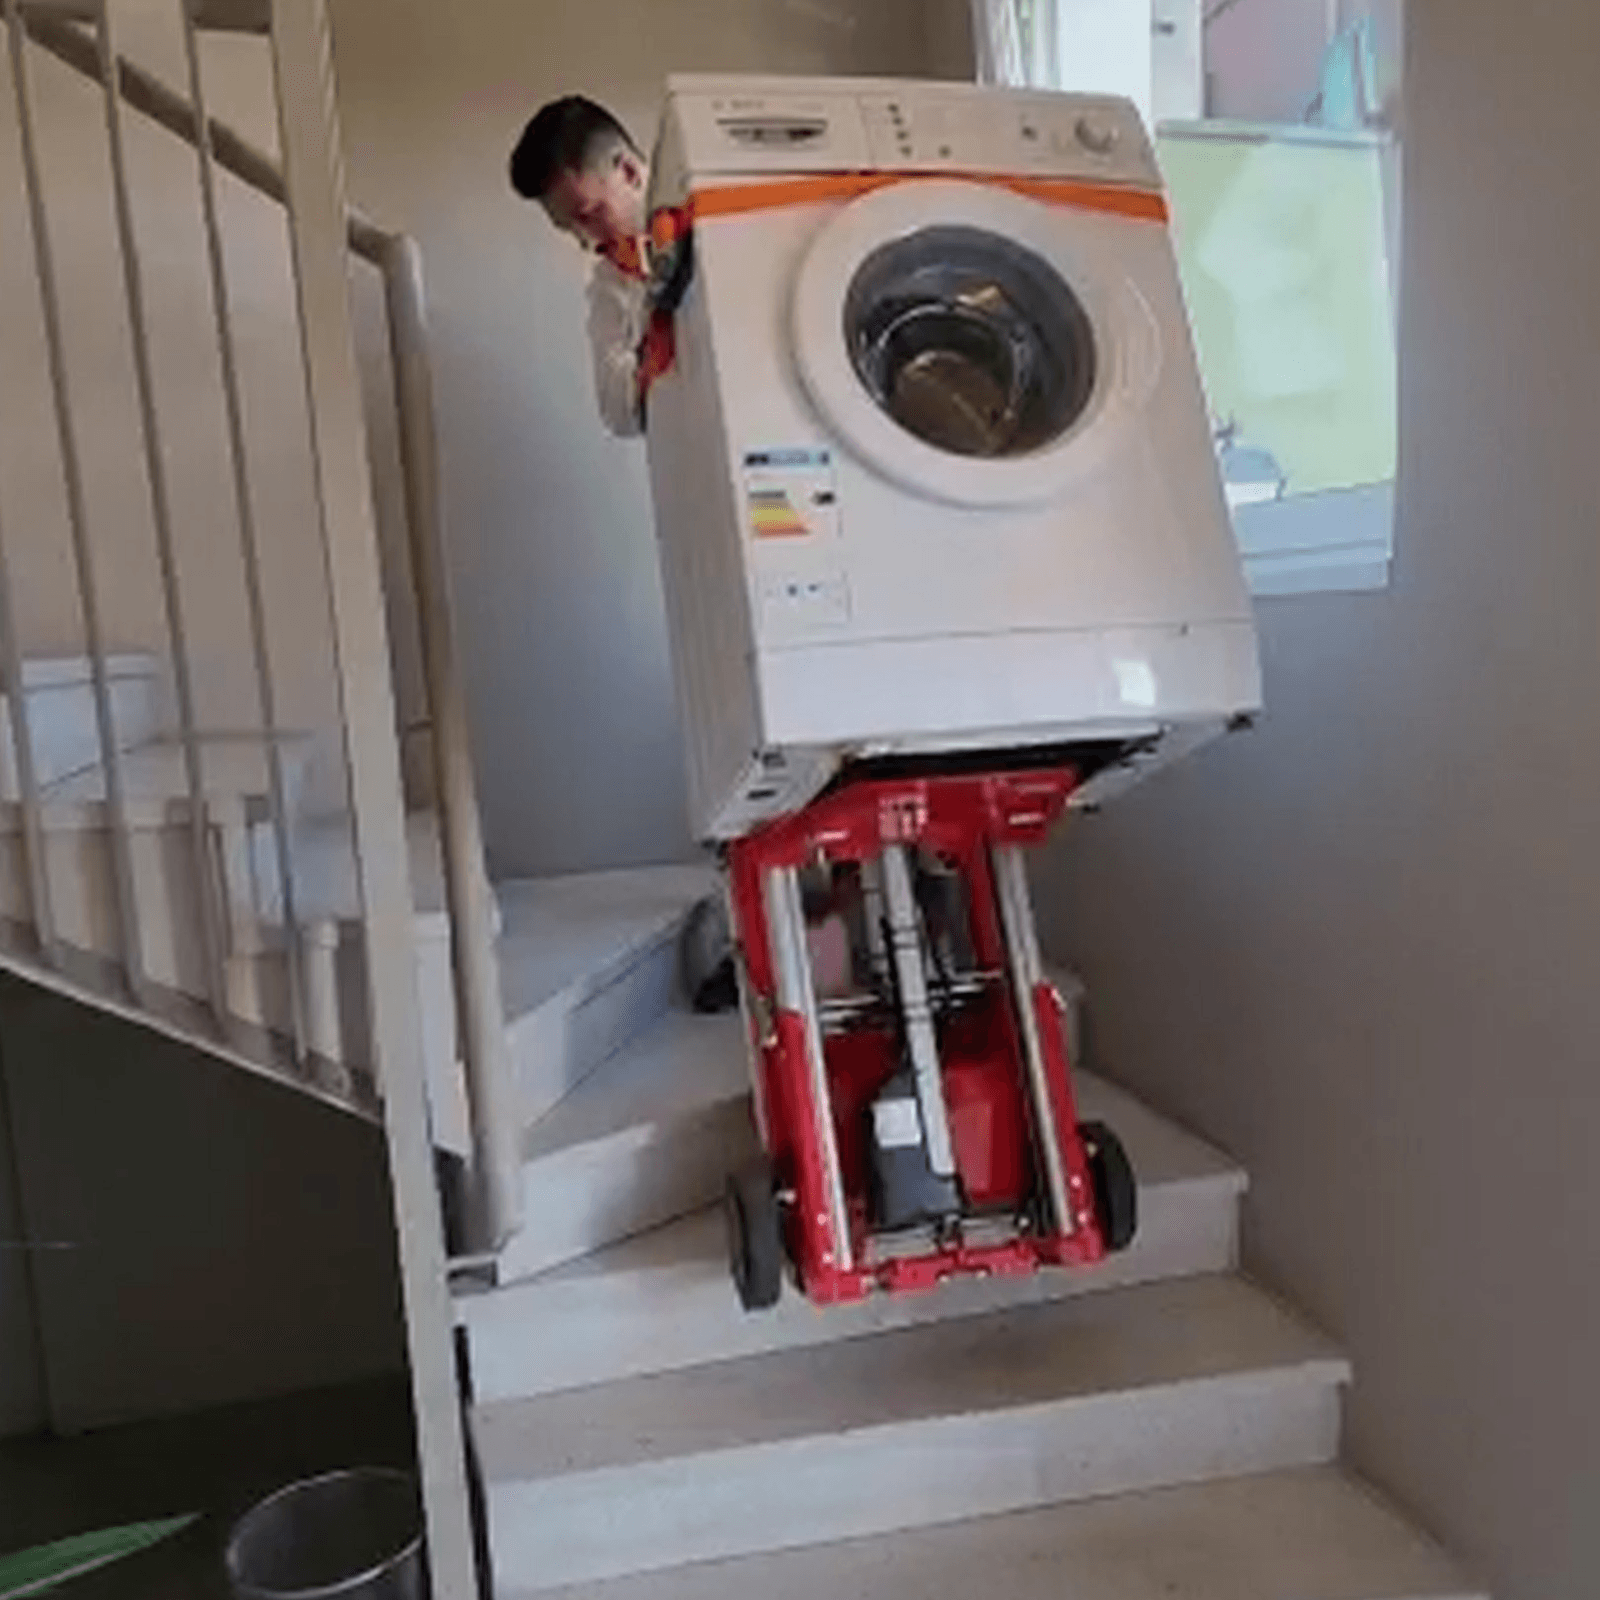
x: 1223, y: 1299
x: 591, y: 1274
x: 1322, y: 1501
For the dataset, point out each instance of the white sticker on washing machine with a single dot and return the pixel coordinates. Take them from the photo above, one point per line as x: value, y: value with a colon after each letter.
x: 800, y: 603
x: 897, y: 1124
x: 1136, y: 683
x: 791, y: 493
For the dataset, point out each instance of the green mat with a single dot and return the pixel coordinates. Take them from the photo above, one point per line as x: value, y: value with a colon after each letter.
x: 34, y: 1571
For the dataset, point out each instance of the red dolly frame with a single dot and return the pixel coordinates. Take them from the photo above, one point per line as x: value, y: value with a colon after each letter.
x: 809, y: 1111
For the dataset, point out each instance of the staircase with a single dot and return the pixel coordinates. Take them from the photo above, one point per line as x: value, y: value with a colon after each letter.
x: 206, y: 829
x: 1158, y: 1426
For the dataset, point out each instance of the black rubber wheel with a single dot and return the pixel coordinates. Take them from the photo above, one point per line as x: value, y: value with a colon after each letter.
x: 755, y: 1238
x: 706, y: 963
x: 1116, y: 1191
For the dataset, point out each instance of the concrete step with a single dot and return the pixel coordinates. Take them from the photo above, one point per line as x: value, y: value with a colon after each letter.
x: 1309, y: 1534
x: 647, y: 1136
x: 1104, y: 1394
x: 170, y: 881
x: 326, y: 881
x: 663, y: 1300
x: 586, y: 964
x: 59, y: 707
x: 232, y: 765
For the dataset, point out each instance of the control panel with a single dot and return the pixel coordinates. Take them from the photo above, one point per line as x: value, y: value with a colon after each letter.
x: 831, y: 125
x: 767, y: 132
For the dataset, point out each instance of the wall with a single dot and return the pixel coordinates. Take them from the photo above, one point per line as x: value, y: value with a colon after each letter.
x: 229, y: 1238
x: 1358, y: 946
x: 950, y: 52
x: 548, y: 521
x: 22, y: 1395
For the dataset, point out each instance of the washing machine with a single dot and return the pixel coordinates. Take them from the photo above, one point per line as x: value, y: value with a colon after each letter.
x: 932, y: 470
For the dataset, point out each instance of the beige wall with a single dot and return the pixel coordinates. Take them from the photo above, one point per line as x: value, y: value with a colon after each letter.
x: 950, y: 52
x: 547, y: 518
x: 1359, y: 947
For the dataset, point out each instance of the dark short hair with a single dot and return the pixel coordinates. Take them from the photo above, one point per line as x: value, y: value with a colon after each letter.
x: 563, y: 136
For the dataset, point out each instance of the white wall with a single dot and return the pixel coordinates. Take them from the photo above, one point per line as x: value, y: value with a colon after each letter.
x: 548, y: 519
x: 230, y: 1238
x: 1358, y: 947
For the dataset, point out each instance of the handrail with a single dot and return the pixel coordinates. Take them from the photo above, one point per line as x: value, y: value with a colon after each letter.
x: 147, y: 94
x: 491, y: 1097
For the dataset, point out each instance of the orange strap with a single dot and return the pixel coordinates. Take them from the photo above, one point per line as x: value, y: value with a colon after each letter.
x: 732, y: 200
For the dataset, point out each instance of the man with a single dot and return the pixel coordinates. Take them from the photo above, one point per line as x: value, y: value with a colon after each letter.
x: 579, y: 163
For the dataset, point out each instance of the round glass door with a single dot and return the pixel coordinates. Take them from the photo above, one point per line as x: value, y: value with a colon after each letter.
x: 970, y: 342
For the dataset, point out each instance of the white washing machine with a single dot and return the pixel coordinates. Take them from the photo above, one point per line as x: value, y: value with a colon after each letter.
x: 932, y: 470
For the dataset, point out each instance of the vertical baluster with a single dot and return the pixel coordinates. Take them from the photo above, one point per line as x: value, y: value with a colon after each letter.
x: 161, y: 517
x: 41, y: 910
x: 130, y: 933
x: 491, y: 1083
x: 244, y: 511
x: 319, y: 229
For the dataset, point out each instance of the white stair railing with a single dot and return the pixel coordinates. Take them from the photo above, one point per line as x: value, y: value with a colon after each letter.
x: 155, y: 912
x: 313, y: 165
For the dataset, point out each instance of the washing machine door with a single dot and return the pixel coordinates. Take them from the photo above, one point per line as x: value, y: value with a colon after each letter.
x: 971, y: 344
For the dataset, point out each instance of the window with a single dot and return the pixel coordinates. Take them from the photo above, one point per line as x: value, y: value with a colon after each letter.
x: 1277, y: 125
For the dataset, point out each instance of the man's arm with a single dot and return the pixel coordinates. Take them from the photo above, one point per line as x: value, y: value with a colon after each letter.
x: 616, y: 323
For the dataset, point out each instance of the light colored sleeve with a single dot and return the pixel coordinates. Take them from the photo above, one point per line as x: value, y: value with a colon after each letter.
x: 616, y: 324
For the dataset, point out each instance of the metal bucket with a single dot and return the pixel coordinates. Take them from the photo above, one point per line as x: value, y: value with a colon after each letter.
x: 355, y: 1535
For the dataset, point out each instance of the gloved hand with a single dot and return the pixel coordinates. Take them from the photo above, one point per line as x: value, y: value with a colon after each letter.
x: 658, y: 349
x: 671, y: 258
x: 671, y: 269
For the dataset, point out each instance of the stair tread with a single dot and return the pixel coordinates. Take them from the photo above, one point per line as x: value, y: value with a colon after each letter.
x: 662, y: 1299
x: 578, y: 931
x: 326, y: 882
x: 1120, y: 1341
x: 688, y: 1062
x: 683, y: 1064
x: 66, y: 672
x: 1310, y: 1533
x: 231, y: 765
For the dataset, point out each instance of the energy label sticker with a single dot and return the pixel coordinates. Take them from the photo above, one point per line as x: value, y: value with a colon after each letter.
x: 790, y: 494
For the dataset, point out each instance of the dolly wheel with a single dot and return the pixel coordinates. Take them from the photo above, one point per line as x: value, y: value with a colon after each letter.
x: 755, y: 1237
x: 1116, y: 1192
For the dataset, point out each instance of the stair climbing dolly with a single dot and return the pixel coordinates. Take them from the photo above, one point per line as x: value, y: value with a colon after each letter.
x: 909, y: 1056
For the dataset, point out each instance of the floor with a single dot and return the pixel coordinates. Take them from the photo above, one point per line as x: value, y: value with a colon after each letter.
x: 217, y: 1462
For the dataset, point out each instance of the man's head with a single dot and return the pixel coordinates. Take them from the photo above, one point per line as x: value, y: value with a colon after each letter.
x: 578, y: 162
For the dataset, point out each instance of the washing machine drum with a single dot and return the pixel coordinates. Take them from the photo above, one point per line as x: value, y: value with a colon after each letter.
x: 970, y: 342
